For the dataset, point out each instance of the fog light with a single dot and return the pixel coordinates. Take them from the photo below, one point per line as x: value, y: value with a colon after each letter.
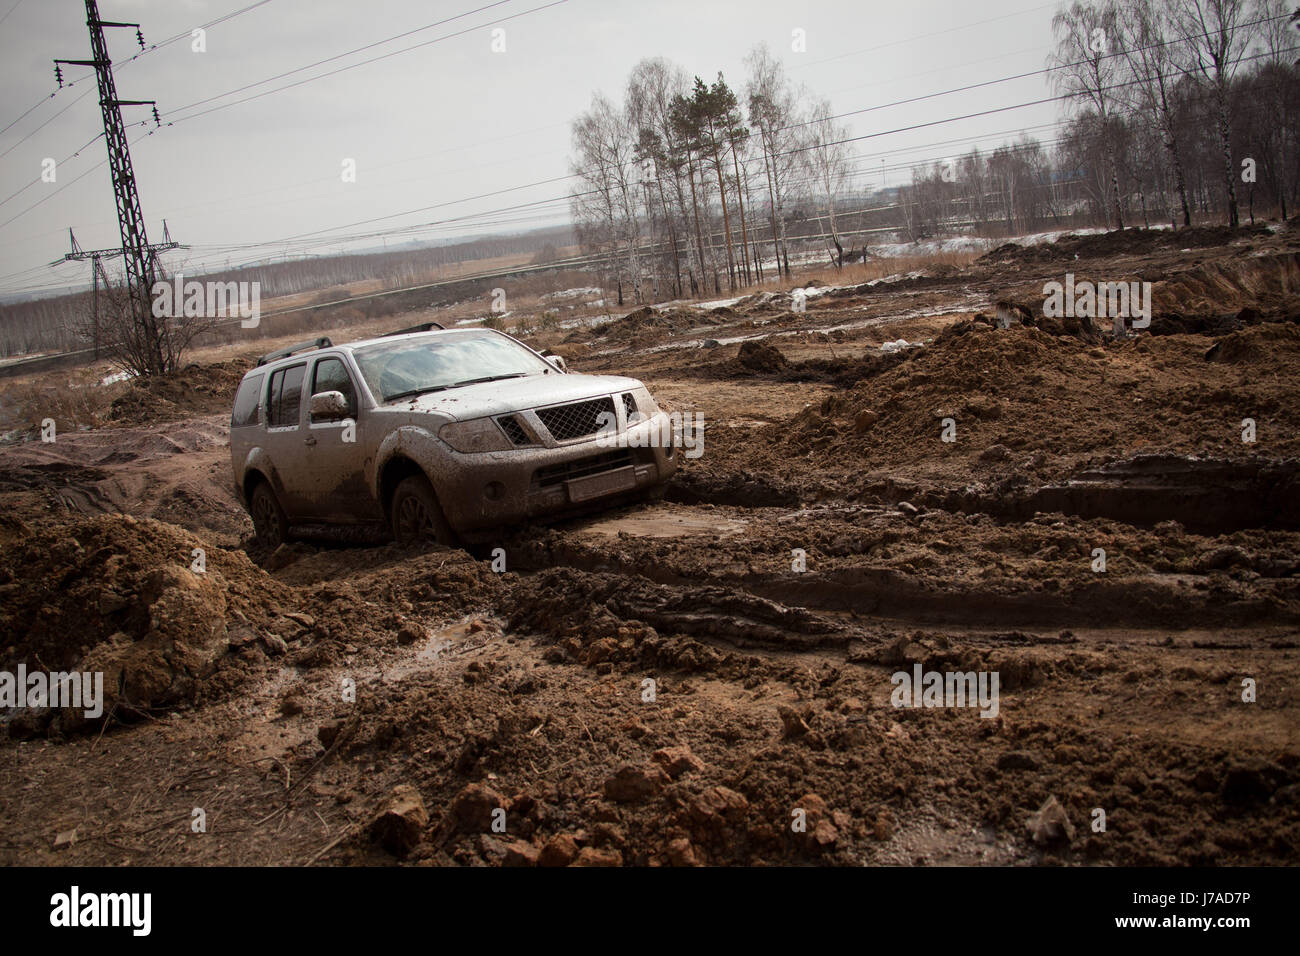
x: 494, y: 491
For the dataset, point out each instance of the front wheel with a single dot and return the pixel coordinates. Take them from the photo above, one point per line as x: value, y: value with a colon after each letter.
x: 269, y: 522
x: 417, y: 516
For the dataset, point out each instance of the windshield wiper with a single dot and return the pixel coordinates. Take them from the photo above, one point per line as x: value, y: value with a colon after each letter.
x: 442, y: 388
x: 489, y: 378
x: 416, y: 391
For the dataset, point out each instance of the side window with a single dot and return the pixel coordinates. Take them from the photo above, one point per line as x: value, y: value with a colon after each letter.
x: 331, y: 375
x: 285, y: 397
x: 248, y: 403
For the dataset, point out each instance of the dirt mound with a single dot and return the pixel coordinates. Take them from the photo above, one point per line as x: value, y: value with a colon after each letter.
x: 648, y: 326
x: 1003, y: 394
x: 195, y: 390
x: 1249, y: 286
x: 131, y: 599
x: 1258, y: 345
x: 1119, y: 242
x: 760, y: 356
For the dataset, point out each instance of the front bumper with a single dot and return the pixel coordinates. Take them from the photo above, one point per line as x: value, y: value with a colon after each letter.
x: 488, y: 490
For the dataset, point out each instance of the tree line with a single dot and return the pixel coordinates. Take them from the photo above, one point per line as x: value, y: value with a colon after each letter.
x: 1173, y: 111
x: 689, y: 187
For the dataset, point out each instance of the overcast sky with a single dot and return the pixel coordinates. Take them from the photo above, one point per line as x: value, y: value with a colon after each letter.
x: 447, y: 121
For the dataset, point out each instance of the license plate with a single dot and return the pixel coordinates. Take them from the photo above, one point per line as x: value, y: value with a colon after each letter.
x: 606, y: 483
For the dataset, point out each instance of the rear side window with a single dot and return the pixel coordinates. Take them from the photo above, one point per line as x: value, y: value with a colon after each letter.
x: 248, y: 406
x: 285, y: 397
x: 332, y: 376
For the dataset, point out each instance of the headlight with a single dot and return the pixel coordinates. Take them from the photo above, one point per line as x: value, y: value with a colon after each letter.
x: 481, y: 434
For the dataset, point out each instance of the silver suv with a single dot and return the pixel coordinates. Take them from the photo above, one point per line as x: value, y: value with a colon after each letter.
x: 446, y: 434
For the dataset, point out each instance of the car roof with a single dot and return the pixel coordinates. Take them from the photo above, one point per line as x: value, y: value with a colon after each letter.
x: 287, y: 353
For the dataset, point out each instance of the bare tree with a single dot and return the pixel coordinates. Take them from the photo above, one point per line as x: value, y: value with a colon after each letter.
x: 1149, y: 55
x: 604, y: 197
x: 153, y: 348
x: 651, y: 89
x: 1214, y: 41
x: 826, y: 156
x: 1085, y: 68
x: 772, y: 110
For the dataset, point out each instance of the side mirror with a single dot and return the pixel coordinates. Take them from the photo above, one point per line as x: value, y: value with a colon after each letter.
x: 556, y: 360
x: 328, y: 406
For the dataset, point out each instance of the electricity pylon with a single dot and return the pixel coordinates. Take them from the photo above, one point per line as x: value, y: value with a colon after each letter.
x: 98, y: 275
x: 136, y: 252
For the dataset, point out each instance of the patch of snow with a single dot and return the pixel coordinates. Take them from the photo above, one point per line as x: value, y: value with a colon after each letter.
x: 572, y: 293
x: 718, y: 303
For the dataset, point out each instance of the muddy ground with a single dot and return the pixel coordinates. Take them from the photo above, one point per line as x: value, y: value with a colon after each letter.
x: 659, y: 685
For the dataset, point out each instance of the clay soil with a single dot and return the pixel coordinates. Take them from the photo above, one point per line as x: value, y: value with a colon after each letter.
x: 658, y: 684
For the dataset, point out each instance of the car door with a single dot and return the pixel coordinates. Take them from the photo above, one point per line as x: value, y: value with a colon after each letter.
x: 335, y: 454
x: 284, y: 440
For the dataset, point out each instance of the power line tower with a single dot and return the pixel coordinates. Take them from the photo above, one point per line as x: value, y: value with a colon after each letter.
x: 136, y: 252
x: 98, y: 274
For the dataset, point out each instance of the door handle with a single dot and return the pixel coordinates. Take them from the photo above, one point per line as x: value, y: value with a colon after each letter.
x: 309, y: 440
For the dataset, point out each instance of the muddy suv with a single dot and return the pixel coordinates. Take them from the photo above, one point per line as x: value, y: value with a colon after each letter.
x: 443, y: 434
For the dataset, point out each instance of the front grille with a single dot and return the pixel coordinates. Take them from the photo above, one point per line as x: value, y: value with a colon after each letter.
x: 558, y: 474
x: 581, y: 418
x: 629, y: 406
x: 514, y: 431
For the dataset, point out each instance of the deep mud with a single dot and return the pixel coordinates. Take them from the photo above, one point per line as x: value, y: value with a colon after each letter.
x: 677, y: 683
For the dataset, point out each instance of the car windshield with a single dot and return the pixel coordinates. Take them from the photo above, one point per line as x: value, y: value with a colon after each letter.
x: 432, y: 363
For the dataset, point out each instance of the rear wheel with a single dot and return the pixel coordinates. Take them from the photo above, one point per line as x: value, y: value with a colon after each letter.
x: 269, y: 522
x: 417, y: 516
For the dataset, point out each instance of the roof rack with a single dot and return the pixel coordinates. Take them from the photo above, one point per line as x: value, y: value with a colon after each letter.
x: 320, y: 343
x: 422, y: 327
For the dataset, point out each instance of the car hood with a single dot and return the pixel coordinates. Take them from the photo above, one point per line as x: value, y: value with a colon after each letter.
x: 513, y: 395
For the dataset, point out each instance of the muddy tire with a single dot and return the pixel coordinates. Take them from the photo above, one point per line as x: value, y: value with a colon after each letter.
x: 417, y: 516
x: 269, y: 523
x: 655, y: 494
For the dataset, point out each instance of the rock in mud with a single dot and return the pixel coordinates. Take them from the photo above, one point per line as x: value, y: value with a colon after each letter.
x: 793, y: 722
x: 718, y: 805
x: 520, y: 853
x: 677, y: 761
x: 865, y: 420
x: 590, y: 856
x: 1051, y: 825
x: 473, y: 807
x: 560, y: 850
x: 900, y: 651
x: 634, y: 782
x: 400, y: 822
x: 681, y: 853
x: 819, y: 820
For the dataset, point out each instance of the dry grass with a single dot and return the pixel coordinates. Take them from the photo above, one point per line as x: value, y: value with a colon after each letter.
x: 72, y: 397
